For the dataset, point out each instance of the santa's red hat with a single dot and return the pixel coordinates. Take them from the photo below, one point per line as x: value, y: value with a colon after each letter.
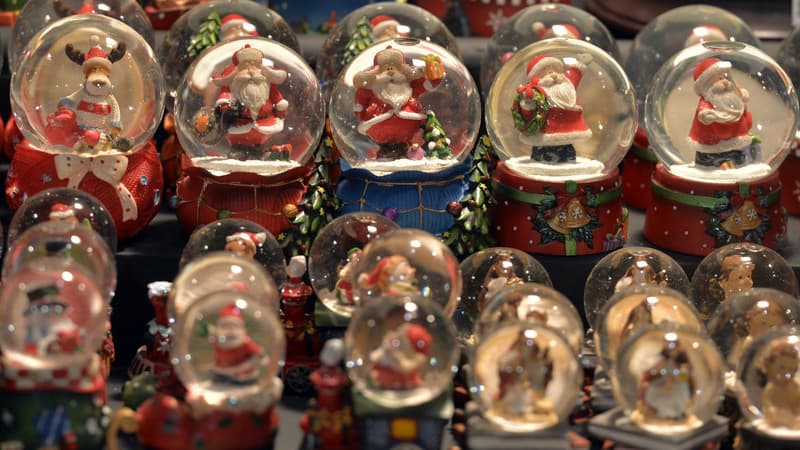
x: 87, y: 8
x: 233, y: 20
x: 230, y: 314
x: 705, y: 33
x: 557, y: 30
x: 246, y: 54
x: 419, y: 338
x: 708, y: 71
x: 96, y: 57
x: 380, y: 23
x: 61, y: 211
x: 384, y: 267
x: 542, y: 64
x: 248, y: 237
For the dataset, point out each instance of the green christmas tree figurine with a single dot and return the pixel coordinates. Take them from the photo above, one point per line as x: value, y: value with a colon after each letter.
x: 359, y: 40
x: 436, y: 145
x: 206, y: 36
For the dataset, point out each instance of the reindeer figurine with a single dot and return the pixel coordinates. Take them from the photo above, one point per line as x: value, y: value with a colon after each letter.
x: 95, y: 109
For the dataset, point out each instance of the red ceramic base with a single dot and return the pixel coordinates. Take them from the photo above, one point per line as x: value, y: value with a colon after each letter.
x: 558, y: 218
x: 11, y: 137
x: 790, y: 180
x: 691, y: 217
x: 204, y: 198
x: 486, y: 16
x: 637, y: 170
x: 129, y: 186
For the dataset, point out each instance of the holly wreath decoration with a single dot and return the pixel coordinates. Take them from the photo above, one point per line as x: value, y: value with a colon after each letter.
x: 529, y: 111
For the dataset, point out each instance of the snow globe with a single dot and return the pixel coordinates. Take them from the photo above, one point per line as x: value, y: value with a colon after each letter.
x: 373, y: 24
x: 630, y: 266
x: 240, y: 237
x: 743, y: 318
x: 539, y: 22
x: 227, y: 350
x: 68, y: 205
x: 736, y: 268
x: 333, y: 259
x: 220, y: 271
x: 770, y: 390
x: 668, y: 382
x: 487, y: 272
x: 535, y: 304
x: 663, y: 37
x: 200, y: 28
x: 407, y: 262
x: 401, y: 354
x: 247, y: 143
x: 526, y: 378
x: 557, y: 189
x: 787, y: 58
x: 717, y: 182
x: 52, y: 381
x: 405, y: 115
x: 89, y: 127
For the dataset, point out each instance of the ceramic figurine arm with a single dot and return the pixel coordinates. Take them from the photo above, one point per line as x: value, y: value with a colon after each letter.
x: 70, y: 101
x: 280, y: 104
x: 116, y: 124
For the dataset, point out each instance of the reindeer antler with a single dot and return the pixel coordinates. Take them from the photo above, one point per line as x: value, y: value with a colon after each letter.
x: 118, y: 52
x: 75, y: 56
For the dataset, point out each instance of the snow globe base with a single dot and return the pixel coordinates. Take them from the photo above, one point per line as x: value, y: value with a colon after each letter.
x: 420, y: 198
x: 244, y: 430
x: 326, y: 317
x: 204, y: 197
x: 132, y: 195
x: 602, y: 396
x: 790, y: 178
x: 558, y: 217
x: 615, y: 426
x: 693, y: 217
x: 637, y: 169
x: 384, y: 428
x: 483, y: 435
x: 750, y: 437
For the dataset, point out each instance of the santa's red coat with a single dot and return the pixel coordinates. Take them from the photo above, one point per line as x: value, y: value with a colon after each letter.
x: 716, y: 132
x: 238, y: 361
x: 384, y: 123
x: 390, y: 378
x: 269, y: 120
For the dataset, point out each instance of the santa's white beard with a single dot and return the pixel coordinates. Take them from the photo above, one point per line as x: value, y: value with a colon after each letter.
x: 253, y: 92
x: 560, y: 92
x: 728, y: 103
x: 395, y: 91
x: 229, y: 341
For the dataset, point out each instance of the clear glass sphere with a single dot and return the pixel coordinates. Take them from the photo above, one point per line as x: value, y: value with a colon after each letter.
x: 64, y: 204
x: 484, y: 274
x: 630, y: 266
x: 227, y: 350
x: 220, y: 271
x: 669, y: 379
x: 206, y: 24
x: 408, y: 262
x: 636, y: 307
x: 48, y: 243
x: 413, y: 106
x: 787, y: 56
x: 525, y: 377
x: 401, y: 351
x: 59, y: 111
x: 721, y: 112
x: 539, y: 22
x: 53, y: 317
x: 768, y: 374
x: 739, y: 321
x: 560, y: 108
x: 675, y: 30
x: 373, y: 24
x: 241, y: 237
x: 267, y: 125
x: 36, y: 14
x: 737, y: 268
x: 532, y: 303
x: 335, y: 253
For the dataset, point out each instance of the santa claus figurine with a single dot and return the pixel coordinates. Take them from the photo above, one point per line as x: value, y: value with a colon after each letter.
x: 250, y: 108
x: 236, y: 356
x: 704, y: 33
x: 235, y: 26
x: 720, y: 133
x: 385, y: 28
x: 556, y: 30
x: 60, y: 212
x: 387, y: 101
x: 546, y: 109
x: 244, y: 243
x: 393, y: 275
x: 397, y: 362
x: 666, y: 391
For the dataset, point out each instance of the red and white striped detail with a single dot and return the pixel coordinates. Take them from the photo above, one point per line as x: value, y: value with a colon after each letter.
x: 85, y: 379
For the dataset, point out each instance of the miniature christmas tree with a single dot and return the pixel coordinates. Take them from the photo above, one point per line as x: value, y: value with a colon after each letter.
x: 359, y: 40
x: 437, y: 145
x: 206, y: 37
x: 470, y: 233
